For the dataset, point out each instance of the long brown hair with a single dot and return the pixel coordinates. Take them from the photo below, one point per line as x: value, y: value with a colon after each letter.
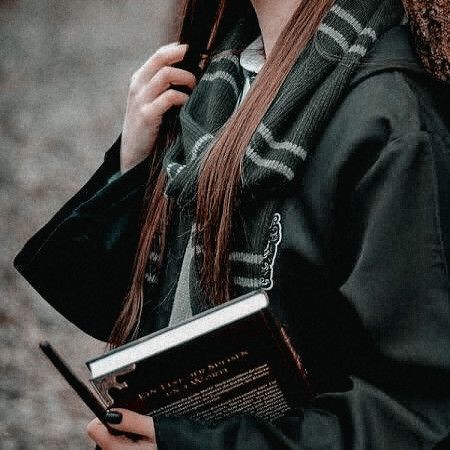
x: 203, y: 24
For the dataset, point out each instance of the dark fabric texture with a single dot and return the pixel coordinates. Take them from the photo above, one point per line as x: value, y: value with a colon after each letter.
x: 359, y: 268
x: 98, y: 225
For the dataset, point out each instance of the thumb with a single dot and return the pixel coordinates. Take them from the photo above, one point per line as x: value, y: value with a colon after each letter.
x: 131, y: 422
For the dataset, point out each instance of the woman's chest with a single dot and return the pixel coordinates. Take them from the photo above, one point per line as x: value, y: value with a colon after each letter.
x: 292, y: 264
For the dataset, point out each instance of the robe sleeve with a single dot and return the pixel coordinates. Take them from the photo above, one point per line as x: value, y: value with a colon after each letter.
x: 80, y: 261
x: 398, y: 286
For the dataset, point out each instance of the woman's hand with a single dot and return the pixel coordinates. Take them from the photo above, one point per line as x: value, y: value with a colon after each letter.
x: 126, y: 421
x: 149, y: 97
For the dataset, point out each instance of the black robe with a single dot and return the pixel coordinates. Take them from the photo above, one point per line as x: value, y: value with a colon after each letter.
x: 360, y: 278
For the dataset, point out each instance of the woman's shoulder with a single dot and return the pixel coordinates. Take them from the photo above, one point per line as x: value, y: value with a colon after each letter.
x: 390, y: 105
x: 392, y: 87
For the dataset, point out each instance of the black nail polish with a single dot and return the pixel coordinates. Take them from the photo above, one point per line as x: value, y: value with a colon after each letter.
x: 113, y: 417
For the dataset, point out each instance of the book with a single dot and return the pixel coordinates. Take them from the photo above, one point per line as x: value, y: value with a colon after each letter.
x: 231, y: 359
x: 81, y: 388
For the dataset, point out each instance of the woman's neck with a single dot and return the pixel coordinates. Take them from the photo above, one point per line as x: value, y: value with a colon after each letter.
x: 273, y: 15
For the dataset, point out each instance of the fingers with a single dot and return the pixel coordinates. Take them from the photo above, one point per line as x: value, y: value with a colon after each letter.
x: 98, y: 432
x: 165, y: 101
x: 157, y: 76
x: 150, y: 96
x: 166, y: 77
x: 107, y: 441
x: 164, y: 56
x: 136, y: 423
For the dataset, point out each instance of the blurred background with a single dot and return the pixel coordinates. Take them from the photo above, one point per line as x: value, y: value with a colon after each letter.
x: 65, y: 67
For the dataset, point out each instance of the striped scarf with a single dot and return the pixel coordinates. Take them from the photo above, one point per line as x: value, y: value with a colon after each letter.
x: 284, y: 138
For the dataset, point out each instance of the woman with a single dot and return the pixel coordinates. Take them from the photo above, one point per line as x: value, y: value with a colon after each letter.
x: 325, y: 183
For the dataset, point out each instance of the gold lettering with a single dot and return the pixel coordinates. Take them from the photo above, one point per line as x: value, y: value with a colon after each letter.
x: 148, y: 394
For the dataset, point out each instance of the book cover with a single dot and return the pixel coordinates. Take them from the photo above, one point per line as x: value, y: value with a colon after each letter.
x: 231, y: 359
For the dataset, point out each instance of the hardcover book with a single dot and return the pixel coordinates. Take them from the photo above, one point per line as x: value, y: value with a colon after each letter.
x: 231, y: 359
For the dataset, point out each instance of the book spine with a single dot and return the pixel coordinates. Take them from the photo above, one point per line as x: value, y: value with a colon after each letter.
x: 296, y: 357
x: 290, y: 354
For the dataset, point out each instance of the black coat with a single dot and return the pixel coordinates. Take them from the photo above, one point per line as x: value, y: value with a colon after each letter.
x: 360, y: 277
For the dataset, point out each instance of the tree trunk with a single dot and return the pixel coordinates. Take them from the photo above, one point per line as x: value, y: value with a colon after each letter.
x: 430, y: 24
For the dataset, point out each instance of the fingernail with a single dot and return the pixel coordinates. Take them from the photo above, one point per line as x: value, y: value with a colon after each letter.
x: 113, y: 417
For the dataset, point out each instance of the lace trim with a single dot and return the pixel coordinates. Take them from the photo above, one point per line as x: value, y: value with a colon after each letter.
x: 270, y: 252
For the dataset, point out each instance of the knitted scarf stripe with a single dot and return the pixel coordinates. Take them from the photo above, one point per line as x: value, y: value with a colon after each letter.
x: 285, y: 137
x: 286, y: 134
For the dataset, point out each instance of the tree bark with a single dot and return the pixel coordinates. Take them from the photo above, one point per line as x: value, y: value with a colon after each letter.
x: 430, y: 25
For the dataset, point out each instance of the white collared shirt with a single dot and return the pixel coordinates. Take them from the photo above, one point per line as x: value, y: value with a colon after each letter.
x: 251, y: 59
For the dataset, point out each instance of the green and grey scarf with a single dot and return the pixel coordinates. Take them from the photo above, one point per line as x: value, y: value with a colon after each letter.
x: 284, y: 138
